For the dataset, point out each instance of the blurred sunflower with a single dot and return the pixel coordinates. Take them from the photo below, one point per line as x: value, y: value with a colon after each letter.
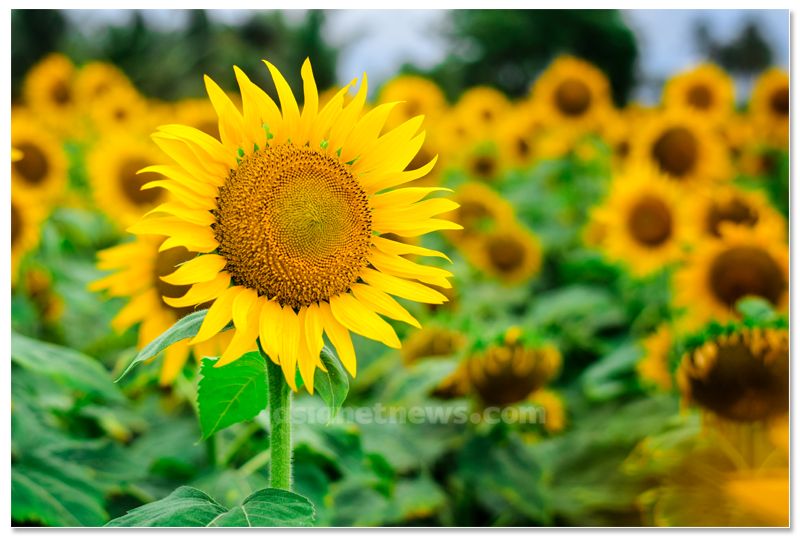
x: 431, y: 341
x: 644, y: 223
x: 681, y: 145
x: 741, y: 375
x: 95, y: 80
x: 512, y: 369
x: 27, y: 215
x: 287, y: 213
x: 40, y: 171
x: 482, y: 108
x: 720, y: 271
x: 555, y: 411
x: 706, y: 91
x: 417, y: 96
x: 48, y: 91
x: 653, y: 368
x: 480, y: 210
x: 121, y: 109
x: 119, y: 189
x: 769, y: 106
x: 138, y: 270
x: 515, y: 139
x: 198, y: 113
x: 573, y: 93
x: 727, y: 204
x: 510, y: 253
x: 483, y: 161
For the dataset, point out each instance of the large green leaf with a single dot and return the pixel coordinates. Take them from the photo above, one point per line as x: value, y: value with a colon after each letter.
x: 233, y: 393
x: 189, y: 507
x: 63, y: 365
x: 332, y: 386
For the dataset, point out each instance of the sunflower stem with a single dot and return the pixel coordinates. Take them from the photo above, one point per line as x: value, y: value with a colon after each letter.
x: 280, y: 440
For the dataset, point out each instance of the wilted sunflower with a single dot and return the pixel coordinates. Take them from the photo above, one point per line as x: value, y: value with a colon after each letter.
x: 741, y: 375
x: 769, y: 106
x: 573, y: 93
x: 720, y: 271
x: 95, y: 80
x: 653, y: 368
x: 482, y: 107
x: 48, y: 91
x: 681, y: 145
x: 643, y: 220
x: 714, y: 207
x: 706, y: 91
x: 511, y: 369
x: 119, y: 189
x: 480, y: 210
x: 287, y: 213
x: 417, y: 96
x: 138, y: 270
x: 27, y: 215
x: 41, y: 169
x: 510, y: 253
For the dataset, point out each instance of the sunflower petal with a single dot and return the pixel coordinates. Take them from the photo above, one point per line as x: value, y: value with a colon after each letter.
x: 340, y: 338
x: 400, y: 248
x: 246, y: 311
x: 202, y: 268
x: 219, y: 315
x: 353, y: 315
x: 407, y: 289
x: 231, y: 124
x: 200, y: 293
x: 291, y: 113
x: 380, y: 302
x: 289, y: 342
x: 402, y: 267
x: 268, y: 329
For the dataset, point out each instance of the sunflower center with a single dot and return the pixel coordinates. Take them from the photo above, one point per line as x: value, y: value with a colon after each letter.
x: 16, y: 224
x: 573, y: 97
x: 60, y: 93
x: 506, y: 253
x: 484, y: 166
x: 166, y: 262
x: 293, y: 224
x: 676, y: 151
x: 650, y: 221
x: 34, y: 166
x: 523, y: 148
x: 508, y: 374
x: 700, y: 97
x: 131, y: 183
x: 746, y: 270
x: 734, y: 211
x: 779, y: 101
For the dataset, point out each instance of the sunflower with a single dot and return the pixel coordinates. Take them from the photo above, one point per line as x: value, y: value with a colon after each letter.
x: 511, y: 370
x: 95, y: 80
x: 515, y: 139
x: 287, y: 213
x: 653, y: 368
x: 138, y: 268
x: 706, y: 91
x: 27, y: 215
x: 769, y: 106
x: 683, y: 146
x: 482, y: 107
x: 48, y: 91
x: 720, y: 271
x: 431, y: 341
x: 121, y: 109
x: 643, y: 220
x: 727, y: 204
x: 480, y: 210
x: 510, y: 253
x: 483, y: 161
x: 417, y: 96
x: 119, y: 189
x: 41, y: 170
x: 573, y: 93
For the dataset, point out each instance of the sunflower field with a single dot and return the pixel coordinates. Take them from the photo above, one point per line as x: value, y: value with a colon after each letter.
x: 288, y: 304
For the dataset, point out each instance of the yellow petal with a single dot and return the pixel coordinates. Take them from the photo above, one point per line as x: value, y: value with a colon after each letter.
x: 310, y: 102
x: 231, y: 130
x: 401, y: 198
x: 382, y: 303
x: 402, y: 267
x: 202, y: 292
x: 246, y: 312
x: 291, y: 113
x: 175, y: 357
x: 259, y: 109
x: 218, y: 316
x: 400, y: 287
x: 340, y: 338
x: 190, y: 215
x: 382, y: 153
x: 269, y: 329
x: 399, y: 248
x: 204, y: 145
x: 406, y: 228
x: 186, y: 159
x: 353, y: 315
x: 202, y: 268
x: 135, y: 311
x: 378, y: 180
x: 366, y: 131
x: 344, y: 123
x: 289, y: 343
x: 307, y: 360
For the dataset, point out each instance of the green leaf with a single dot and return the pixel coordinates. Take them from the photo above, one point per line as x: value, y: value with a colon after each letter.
x: 186, y: 327
x: 63, y: 365
x: 233, y: 393
x: 270, y: 507
x: 332, y: 386
x: 189, y: 507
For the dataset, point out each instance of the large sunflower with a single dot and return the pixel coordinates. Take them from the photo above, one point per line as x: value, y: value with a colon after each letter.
x: 41, y: 170
x: 27, y: 215
x: 769, y: 106
x: 286, y: 214
x: 118, y: 186
x: 417, y: 96
x: 720, y: 271
x: 138, y: 270
x: 48, y: 91
x: 510, y: 253
x: 721, y: 204
x: 573, y: 93
x: 644, y: 224
x: 683, y: 146
x: 706, y: 91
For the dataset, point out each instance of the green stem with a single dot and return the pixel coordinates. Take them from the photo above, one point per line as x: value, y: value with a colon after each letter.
x: 280, y: 440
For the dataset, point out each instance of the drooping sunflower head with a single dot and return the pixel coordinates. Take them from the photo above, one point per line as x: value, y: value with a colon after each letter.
x: 119, y: 189
x: 511, y: 253
x: 683, y: 146
x: 431, y: 341
x: 510, y: 368
x: 721, y: 271
x: 769, y: 106
x: 727, y: 204
x: 287, y: 214
x: 705, y: 90
x: 41, y: 168
x: 417, y: 96
x: 739, y: 374
x: 643, y: 222
x: 653, y: 368
x: 573, y: 92
x: 48, y: 90
x: 26, y: 215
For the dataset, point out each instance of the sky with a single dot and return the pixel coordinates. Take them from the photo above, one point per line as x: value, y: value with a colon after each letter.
x: 380, y: 41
